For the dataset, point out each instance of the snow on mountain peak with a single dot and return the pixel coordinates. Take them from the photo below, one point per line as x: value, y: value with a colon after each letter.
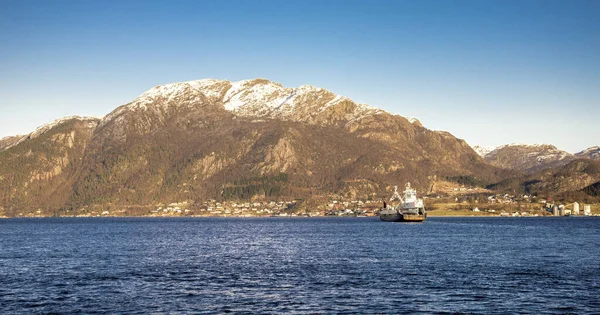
x: 258, y: 91
x: 523, y: 145
x: 483, y: 150
x: 92, y: 121
x: 172, y: 91
x: 251, y: 98
x: 526, y: 154
x: 42, y: 129
x: 591, y: 152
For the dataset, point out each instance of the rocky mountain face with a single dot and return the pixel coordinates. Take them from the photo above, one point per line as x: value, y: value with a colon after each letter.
x: 573, y: 176
x: 592, y: 190
x: 228, y: 140
x: 567, y: 179
x: 526, y: 158
x: 39, y: 170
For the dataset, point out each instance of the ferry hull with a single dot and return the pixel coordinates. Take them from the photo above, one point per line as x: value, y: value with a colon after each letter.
x: 396, y: 217
x: 413, y: 217
x: 390, y: 217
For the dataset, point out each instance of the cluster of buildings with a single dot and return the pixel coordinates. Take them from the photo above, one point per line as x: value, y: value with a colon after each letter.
x: 266, y: 208
x: 503, y: 213
x: 352, y: 208
x: 526, y: 202
x: 225, y: 208
x: 492, y: 199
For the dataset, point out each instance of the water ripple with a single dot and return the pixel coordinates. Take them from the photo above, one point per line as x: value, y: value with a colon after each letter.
x: 299, y: 266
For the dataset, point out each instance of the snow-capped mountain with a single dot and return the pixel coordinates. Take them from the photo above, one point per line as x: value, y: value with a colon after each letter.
x: 483, y: 150
x: 250, y: 98
x: 590, y: 153
x: 220, y: 139
x: 237, y: 140
x: 531, y: 157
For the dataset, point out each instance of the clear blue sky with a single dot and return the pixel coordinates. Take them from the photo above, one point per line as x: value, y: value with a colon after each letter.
x: 489, y: 72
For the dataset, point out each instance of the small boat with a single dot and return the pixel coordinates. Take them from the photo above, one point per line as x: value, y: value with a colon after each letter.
x: 406, y: 208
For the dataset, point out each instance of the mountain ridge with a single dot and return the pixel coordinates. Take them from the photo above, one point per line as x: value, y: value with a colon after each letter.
x: 254, y: 98
x: 214, y: 139
x: 531, y: 158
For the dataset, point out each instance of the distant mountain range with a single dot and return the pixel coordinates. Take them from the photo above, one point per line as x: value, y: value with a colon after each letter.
x: 215, y: 139
x: 547, y: 171
x: 577, y: 180
x: 532, y: 158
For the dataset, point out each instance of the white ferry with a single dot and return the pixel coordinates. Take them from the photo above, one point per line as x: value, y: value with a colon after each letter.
x: 407, y: 208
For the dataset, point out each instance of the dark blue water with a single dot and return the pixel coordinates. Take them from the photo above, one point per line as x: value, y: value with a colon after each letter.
x: 276, y: 265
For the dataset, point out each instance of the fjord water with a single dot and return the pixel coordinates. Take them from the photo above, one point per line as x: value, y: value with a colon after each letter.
x: 299, y: 265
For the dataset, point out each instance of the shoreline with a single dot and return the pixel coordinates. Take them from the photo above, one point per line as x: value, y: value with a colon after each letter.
x: 289, y: 217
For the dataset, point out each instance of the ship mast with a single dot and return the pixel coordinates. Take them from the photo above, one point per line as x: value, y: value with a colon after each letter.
x: 396, y: 195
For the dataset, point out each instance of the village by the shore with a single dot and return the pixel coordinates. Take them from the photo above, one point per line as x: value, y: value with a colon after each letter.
x: 502, y: 205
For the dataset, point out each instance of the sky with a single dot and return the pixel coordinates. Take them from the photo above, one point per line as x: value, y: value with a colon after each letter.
x: 489, y: 72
